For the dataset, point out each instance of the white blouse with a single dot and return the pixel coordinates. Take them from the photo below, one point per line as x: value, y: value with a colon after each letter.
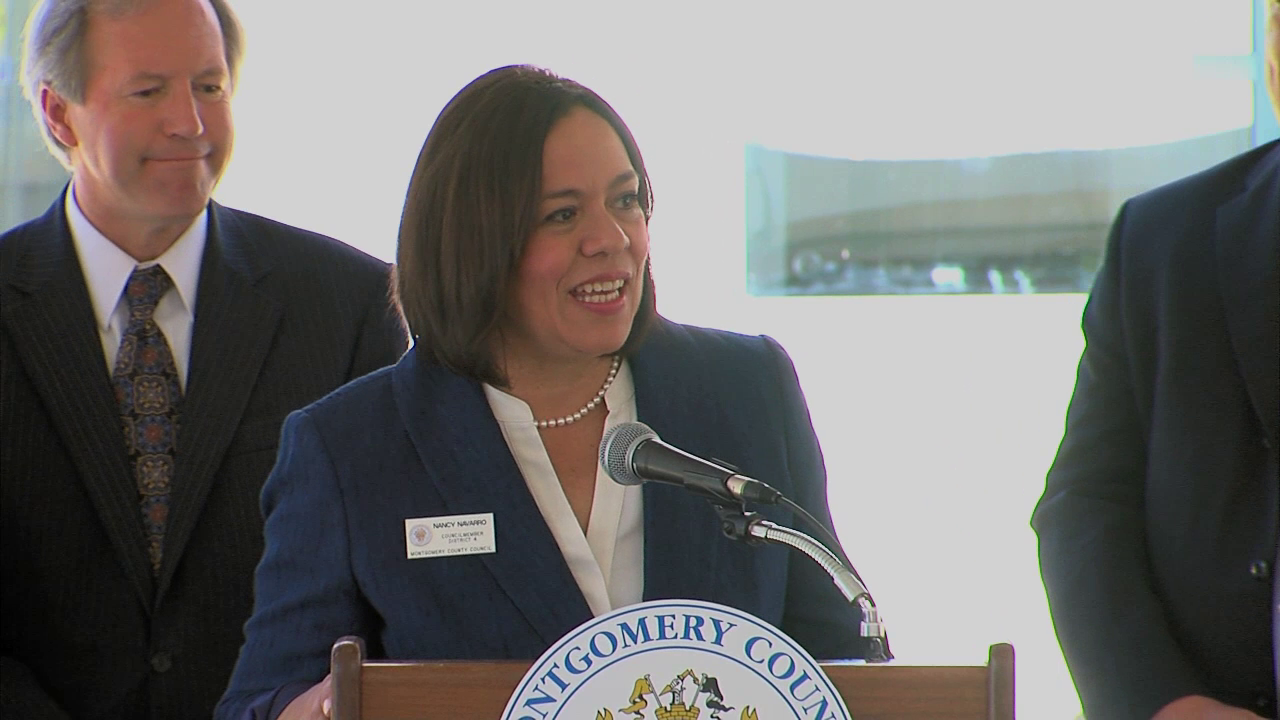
x: 608, y: 561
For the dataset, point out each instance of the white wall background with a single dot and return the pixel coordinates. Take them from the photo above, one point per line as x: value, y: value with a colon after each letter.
x: 938, y: 415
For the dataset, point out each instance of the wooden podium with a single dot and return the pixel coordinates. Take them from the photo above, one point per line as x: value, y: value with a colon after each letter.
x: 455, y: 690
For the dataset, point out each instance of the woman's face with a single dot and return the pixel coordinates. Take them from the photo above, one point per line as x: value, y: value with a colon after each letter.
x: 578, y: 284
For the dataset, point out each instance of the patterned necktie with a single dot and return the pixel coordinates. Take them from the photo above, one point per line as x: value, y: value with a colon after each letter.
x: 146, y: 384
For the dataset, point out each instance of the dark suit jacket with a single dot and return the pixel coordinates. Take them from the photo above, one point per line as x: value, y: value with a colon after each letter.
x: 1158, y: 523
x: 283, y: 316
x: 419, y: 441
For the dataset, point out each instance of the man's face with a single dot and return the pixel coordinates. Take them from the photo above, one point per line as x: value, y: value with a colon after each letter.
x: 153, y: 134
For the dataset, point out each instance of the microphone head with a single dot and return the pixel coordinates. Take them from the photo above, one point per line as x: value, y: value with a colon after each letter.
x: 617, y: 447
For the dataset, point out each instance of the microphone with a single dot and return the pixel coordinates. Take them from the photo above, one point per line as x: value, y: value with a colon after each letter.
x: 631, y: 453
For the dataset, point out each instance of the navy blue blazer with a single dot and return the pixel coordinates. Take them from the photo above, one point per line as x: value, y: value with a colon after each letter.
x: 417, y: 440
x: 283, y: 316
x: 1158, y: 523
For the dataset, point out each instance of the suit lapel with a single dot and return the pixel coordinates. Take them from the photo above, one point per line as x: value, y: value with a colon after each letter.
x: 234, y: 328
x: 1248, y: 240
x: 56, y: 335
x: 676, y: 564
x: 466, y: 459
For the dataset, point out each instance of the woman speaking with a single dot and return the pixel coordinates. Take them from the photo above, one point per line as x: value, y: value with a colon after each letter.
x: 523, y: 275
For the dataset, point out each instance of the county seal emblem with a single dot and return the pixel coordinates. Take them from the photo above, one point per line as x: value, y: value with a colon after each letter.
x: 676, y: 660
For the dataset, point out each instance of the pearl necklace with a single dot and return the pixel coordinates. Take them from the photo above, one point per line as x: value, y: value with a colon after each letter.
x: 571, y: 419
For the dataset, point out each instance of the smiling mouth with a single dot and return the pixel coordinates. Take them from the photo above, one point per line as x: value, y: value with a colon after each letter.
x: 599, y: 292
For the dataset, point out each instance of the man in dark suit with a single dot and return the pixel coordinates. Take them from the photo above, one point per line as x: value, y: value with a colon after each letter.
x: 1158, y: 523
x: 135, y: 303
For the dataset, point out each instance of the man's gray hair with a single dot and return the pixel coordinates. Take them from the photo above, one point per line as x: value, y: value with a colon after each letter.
x: 53, y: 51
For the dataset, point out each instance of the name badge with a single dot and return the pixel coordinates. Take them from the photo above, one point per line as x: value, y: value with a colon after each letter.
x: 449, y: 535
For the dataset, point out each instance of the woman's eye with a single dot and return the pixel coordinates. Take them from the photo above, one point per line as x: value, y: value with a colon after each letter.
x: 563, y: 215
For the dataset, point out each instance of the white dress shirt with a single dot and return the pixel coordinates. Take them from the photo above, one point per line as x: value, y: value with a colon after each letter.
x: 608, y: 561
x: 107, y: 268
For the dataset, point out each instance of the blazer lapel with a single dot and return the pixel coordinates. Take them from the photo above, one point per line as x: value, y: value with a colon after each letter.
x: 683, y: 564
x: 234, y: 328
x: 56, y: 334
x: 1248, y: 241
x: 466, y: 458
